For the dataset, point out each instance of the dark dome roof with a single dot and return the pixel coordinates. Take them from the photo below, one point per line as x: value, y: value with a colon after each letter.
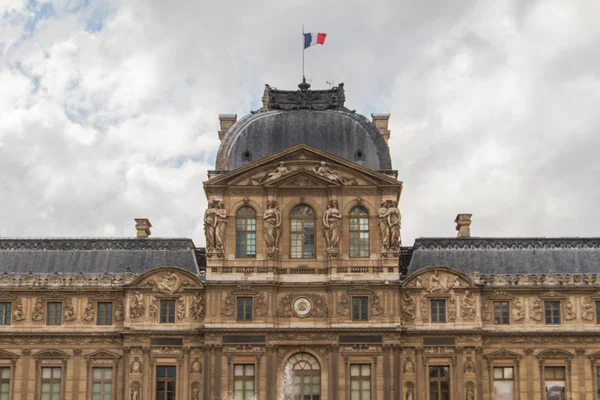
x: 315, y: 118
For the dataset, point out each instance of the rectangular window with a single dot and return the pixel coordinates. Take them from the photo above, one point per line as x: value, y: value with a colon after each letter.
x: 166, y: 377
x: 5, y: 308
x: 360, y: 308
x: 54, y: 313
x: 439, y: 383
x: 504, y: 384
x: 51, y: 383
x: 438, y: 310
x: 244, y: 308
x: 552, y: 312
x: 360, y: 382
x: 501, y: 315
x: 102, y: 384
x: 598, y: 382
x: 555, y: 383
x: 4, y: 383
x: 598, y: 314
x: 167, y: 311
x: 104, y: 313
x: 243, y: 381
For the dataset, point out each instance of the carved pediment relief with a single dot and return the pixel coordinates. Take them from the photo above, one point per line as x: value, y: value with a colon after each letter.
x: 555, y: 354
x: 54, y: 353
x: 167, y: 280
x: 438, y: 280
x: 7, y: 355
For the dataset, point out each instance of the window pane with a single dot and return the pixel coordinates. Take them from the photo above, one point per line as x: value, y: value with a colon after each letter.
x: 504, y: 390
x: 46, y: 373
x: 508, y: 373
x: 97, y: 373
x: 5, y: 374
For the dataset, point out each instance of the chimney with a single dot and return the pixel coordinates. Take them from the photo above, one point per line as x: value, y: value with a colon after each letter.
x: 143, y: 226
x: 226, y: 120
x: 463, y: 223
x: 381, y: 122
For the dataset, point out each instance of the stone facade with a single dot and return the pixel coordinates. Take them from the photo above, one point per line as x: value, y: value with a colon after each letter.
x: 286, y: 296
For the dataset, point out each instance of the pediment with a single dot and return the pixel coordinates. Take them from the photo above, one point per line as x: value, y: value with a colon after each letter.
x: 7, y: 355
x: 167, y: 280
x: 302, y: 178
x: 502, y: 354
x: 102, y: 354
x: 331, y: 169
x: 438, y: 280
x: 555, y: 353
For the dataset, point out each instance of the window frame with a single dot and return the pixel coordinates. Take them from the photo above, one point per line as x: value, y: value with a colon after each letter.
x: 359, y: 231
x: 553, y: 310
x: 555, y: 358
x: 311, y: 360
x: 166, y: 380
x: 244, y: 379
x: 112, y: 320
x: 167, y: 301
x: 303, y: 233
x: 504, y: 359
x: 360, y: 316
x: 238, y: 317
x: 60, y: 318
x: 439, y: 380
x: 11, y: 374
x: 438, y: 314
x: 4, y: 316
x: 50, y: 359
x: 102, y: 359
x: 361, y: 379
x: 245, y: 232
x: 508, y: 320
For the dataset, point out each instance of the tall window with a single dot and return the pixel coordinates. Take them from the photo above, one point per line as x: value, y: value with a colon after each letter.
x: 104, y: 313
x: 166, y: 377
x: 5, y: 308
x: 598, y: 381
x: 552, y: 312
x: 359, y: 232
x: 244, y: 308
x: 54, y: 315
x: 438, y: 310
x: 245, y: 232
x: 302, y: 235
x: 555, y: 383
x: 360, y: 308
x: 598, y: 314
x: 102, y: 385
x: 504, y: 383
x: 307, y: 377
x: 360, y: 382
x: 439, y: 383
x: 167, y: 311
x: 501, y: 315
x: 51, y: 383
x: 4, y: 383
x: 243, y: 381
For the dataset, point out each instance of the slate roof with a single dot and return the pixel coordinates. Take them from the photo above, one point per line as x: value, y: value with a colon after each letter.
x: 508, y: 255
x: 95, y: 255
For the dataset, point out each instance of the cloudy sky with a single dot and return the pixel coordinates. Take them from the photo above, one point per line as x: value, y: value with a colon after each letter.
x: 108, y: 109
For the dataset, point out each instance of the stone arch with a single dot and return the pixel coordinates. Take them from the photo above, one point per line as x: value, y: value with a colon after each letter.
x: 412, y: 279
x: 235, y: 207
x: 154, y: 271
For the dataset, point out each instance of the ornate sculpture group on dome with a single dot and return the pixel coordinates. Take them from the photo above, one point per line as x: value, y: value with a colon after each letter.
x: 332, y: 222
x: 272, y: 229
x: 389, y: 226
x: 215, y: 227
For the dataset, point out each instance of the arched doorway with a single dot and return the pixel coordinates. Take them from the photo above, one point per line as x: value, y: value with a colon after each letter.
x: 306, y: 376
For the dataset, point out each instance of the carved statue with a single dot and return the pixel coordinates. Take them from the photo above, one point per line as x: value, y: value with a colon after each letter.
x: 136, y: 310
x: 424, y: 305
x: 209, y: 225
x: 119, y: 312
x: 69, y: 311
x: 327, y: 173
x: 260, y: 306
x: 181, y: 309
x: 344, y: 306
x: 408, y: 307
x: 437, y: 283
x: 409, y: 366
x: 153, y: 309
x: 332, y: 221
x: 168, y: 283
x: 569, y: 312
x: 38, y: 311
x: 467, y: 308
x: 88, y: 313
x: 452, y: 309
x: 518, y: 312
x: 197, y: 307
x: 469, y: 367
x: 135, y: 394
x: 196, y: 366
x: 195, y: 394
x: 220, y: 224
x: 276, y: 173
x: 272, y: 228
x: 227, y: 309
x: 384, y: 227
x: 18, y: 314
x: 389, y: 226
x: 410, y: 394
x: 587, y: 310
x: 536, y: 310
x: 470, y: 393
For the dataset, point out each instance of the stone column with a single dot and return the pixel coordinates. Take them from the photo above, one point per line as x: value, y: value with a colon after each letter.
x: 76, y: 373
x: 374, y: 397
x: 334, y: 376
x: 271, y: 372
x: 217, y: 373
x: 420, y: 387
x: 459, y: 375
x: 125, y: 386
x: 186, y: 374
x: 207, y: 373
x: 146, y: 374
x: 386, y: 371
x: 529, y: 372
x: 24, y: 361
x: 397, y: 372
x: 479, y: 372
x: 257, y: 377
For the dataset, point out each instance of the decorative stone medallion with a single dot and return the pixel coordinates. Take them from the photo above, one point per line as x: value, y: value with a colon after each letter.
x: 302, y: 306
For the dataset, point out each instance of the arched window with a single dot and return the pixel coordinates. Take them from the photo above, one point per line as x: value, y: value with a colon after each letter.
x: 306, y: 373
x: 302, y: 235
x: 359, y: 232
x: 245, y: 232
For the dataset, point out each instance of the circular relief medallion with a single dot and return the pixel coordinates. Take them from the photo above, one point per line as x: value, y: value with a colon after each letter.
x: 302, y: 306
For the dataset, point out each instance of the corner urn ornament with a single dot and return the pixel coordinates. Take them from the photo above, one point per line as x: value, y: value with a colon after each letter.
x: 302, y: 306
x: 215, y: 227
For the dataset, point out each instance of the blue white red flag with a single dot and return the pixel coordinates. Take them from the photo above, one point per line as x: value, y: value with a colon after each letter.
x: 310, y: 39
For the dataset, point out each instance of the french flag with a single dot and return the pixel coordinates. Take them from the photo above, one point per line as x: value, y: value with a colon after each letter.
x: 310, y: 39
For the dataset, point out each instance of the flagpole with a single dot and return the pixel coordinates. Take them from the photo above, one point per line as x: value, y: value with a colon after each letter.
x: 303, y: 52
